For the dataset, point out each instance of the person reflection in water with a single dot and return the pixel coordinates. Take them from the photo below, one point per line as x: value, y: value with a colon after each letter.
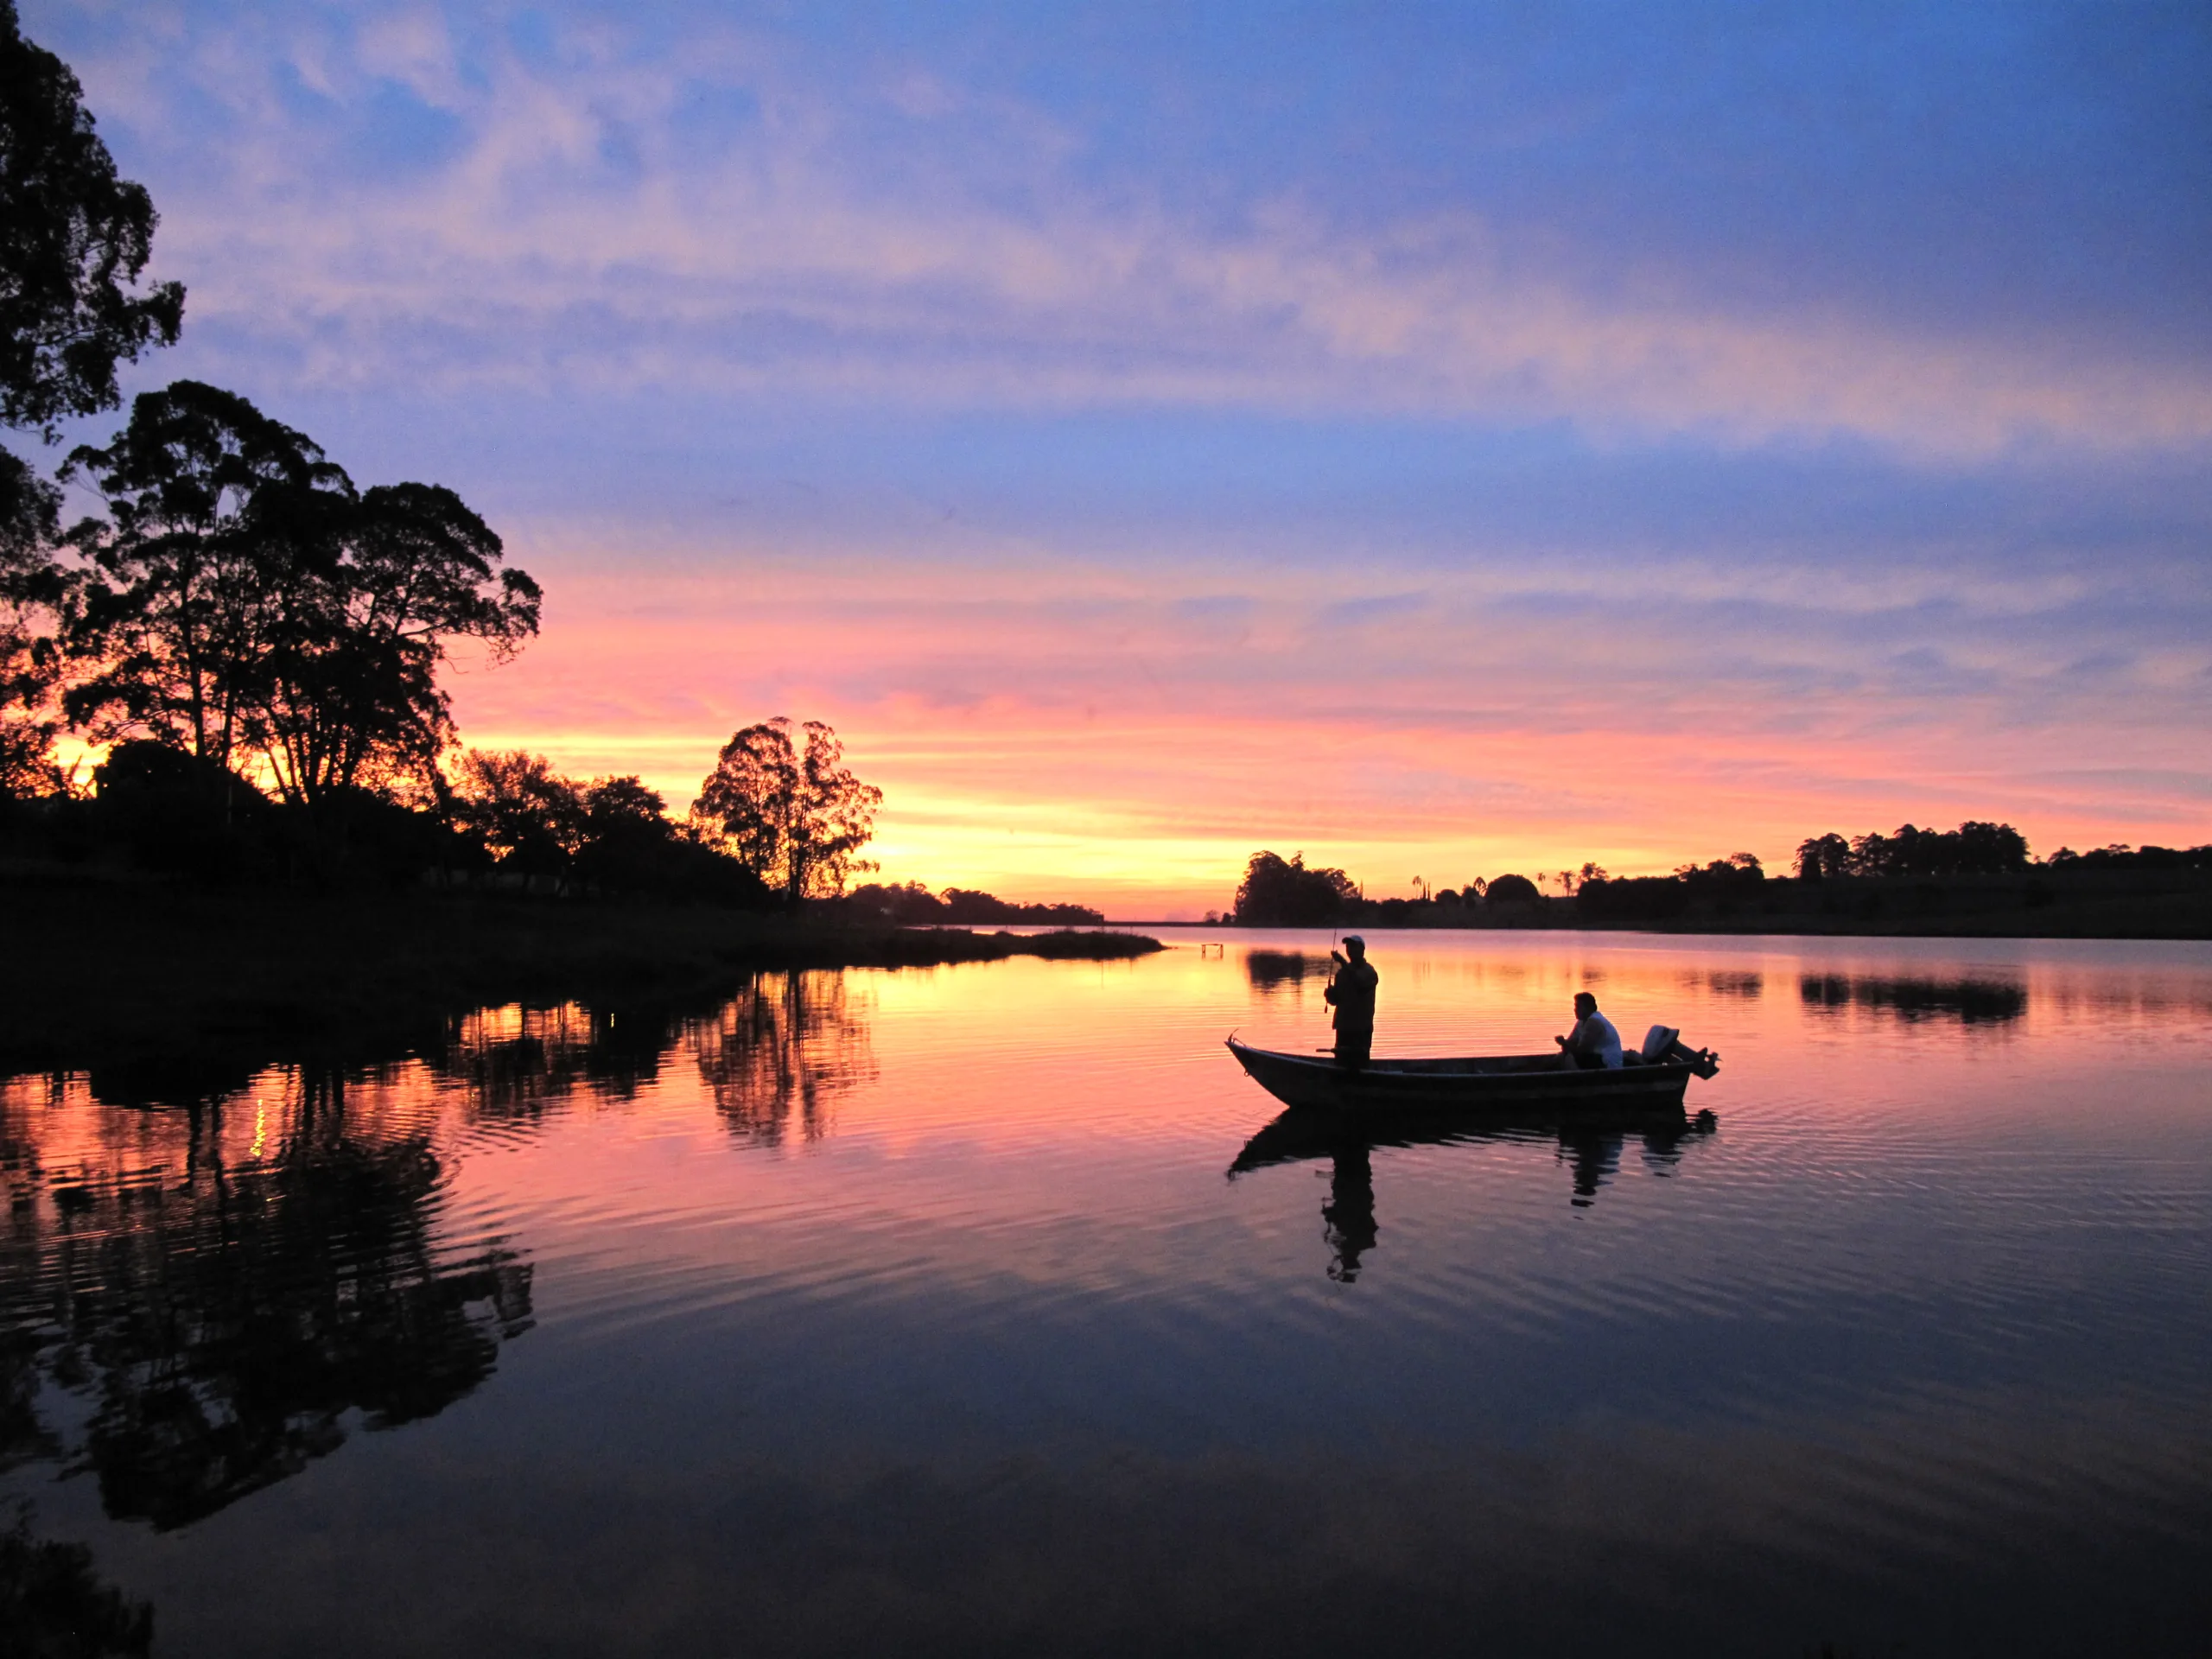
x: 1348, y: 1219
x: 1351, y: 992
x: 1594, y: 1159
x: 1593, y: 1044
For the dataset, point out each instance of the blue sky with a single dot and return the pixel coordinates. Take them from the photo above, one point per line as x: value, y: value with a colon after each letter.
x: 1474, y: 414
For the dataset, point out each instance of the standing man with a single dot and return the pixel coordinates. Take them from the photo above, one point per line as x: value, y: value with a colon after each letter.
x: 1352, y: 994
x: 1593, y: 1044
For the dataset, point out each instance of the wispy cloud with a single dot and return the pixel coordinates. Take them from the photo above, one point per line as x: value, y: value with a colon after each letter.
x: 1511, y: 458
x: 607, y: 211
x: 1496, y: 729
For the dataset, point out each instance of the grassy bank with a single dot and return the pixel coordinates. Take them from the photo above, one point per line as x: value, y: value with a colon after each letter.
x: 104, y: 971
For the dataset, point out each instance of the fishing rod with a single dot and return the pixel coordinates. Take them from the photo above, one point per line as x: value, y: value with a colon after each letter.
x: 1334, y: 961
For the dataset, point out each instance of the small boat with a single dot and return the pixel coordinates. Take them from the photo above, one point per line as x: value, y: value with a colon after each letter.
x: 1656, y: 1078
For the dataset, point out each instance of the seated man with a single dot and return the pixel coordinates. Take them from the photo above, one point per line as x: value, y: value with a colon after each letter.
x: 1593, y: 1044
x: 1352, y: 995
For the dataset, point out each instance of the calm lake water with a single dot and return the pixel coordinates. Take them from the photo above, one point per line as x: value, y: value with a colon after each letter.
x: 919, y: 1313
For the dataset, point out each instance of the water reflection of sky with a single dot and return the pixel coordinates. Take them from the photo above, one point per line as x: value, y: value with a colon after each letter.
x: 914, y: 1310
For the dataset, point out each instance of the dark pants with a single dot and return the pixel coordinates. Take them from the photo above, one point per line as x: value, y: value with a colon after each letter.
x: 1354, y: 1045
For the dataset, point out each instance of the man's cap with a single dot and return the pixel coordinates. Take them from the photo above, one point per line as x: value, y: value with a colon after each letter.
x: 1354, y: 938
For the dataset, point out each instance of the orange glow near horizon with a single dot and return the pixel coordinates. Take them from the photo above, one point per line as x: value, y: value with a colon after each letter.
x: 1065, y: 733
x: 1459, y: 464
x: 1069, y: 732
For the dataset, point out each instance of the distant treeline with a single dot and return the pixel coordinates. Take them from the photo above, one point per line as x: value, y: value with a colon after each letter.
x: 1868, y: 876
x: 915, y: 905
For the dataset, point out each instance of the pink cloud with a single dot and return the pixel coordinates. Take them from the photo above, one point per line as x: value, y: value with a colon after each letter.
x: 1074, y: 734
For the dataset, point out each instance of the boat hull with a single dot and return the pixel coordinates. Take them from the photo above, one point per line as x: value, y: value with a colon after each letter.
x: 1502, y: 1082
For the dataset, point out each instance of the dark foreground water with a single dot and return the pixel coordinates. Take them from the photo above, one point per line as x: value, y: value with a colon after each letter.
x: 918, y: 1313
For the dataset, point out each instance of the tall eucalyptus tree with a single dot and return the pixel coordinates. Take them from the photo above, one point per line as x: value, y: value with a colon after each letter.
x: 243, y: 601
x: 75, y: 241
x: 349, y: 697
x: 797, y: 818
x: 220, y: 518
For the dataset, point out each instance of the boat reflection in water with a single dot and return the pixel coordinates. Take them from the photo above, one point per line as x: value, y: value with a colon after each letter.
x: 1590, y: 1145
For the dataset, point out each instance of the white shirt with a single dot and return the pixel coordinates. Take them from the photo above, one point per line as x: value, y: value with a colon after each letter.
x: 1596, y: 1035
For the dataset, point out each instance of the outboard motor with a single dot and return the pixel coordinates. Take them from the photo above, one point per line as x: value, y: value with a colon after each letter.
x: 1663, y: 1045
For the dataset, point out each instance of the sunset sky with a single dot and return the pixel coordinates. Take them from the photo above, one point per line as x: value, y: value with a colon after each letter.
x: 1446, y: 440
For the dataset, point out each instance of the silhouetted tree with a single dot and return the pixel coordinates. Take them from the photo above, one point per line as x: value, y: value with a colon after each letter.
x: 75, y: 242
x: 32, y: 590
x: 1972, y: 849
x: 796, y: 819
x: 611, y: 835
x: 532, y: 820
x: 245, y: 600
x: 1511, y: 889
x: 1283, y: 893
x: 1737, y: 867
x: 74, y: 239
x: 1820, y: 857
x: 626, y: 828
x: 175, y: 813
x: 907, y: 904
x: 350, y: 694
x: 968, y: 905
x: 2118, y: 855
x: 197, y: 578
x: 631, y: 846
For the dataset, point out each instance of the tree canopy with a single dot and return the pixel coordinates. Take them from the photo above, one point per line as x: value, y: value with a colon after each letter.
x: 1282, y: 891
x: 350, y: 692
x: 794, y: 817
x: 912, y: 904
x: 1974, y: 848
x: 243, y: 599
x: 213, y: 509
x: 75, y: 240
x: 31, y: 590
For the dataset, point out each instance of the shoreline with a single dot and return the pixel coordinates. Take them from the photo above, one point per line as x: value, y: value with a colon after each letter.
x: 109, y: 973
x: 2183, y: 913
x: 1781, y: 928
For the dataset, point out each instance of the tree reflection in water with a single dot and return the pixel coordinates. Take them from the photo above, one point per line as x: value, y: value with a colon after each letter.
x: 52, y: 1603
x: 786, y: 1040
x: 1986, y: 1001
x: 204, y: 1270
x: 218, y: 1314
x: 517, y: 1061
x: 1270, y: 971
